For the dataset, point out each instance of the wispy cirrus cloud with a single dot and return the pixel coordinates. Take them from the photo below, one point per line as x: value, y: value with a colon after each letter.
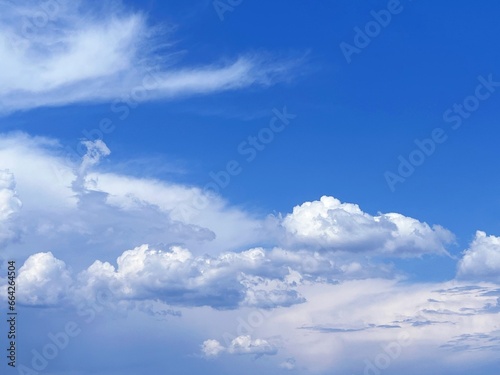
x: 94, y: 52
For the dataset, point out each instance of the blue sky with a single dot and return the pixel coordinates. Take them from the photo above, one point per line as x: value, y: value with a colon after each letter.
x: 324, y: 175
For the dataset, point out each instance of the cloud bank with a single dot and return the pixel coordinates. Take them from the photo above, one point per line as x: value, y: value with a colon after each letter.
x: 82, y: 231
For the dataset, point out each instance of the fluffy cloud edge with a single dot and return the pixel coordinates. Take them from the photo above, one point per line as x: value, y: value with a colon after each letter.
x: 241, y: 345
x: 481, y: 260
x: 331, y: 224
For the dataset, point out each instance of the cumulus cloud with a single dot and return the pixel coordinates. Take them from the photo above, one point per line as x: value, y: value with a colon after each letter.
x: 256, y: 278
x: 240, y: 345
x: 481, y: 261
x: 331, y: 224
x: 60, y: 52
x: 212, y: 348
x: 173, y: 277
x: 252, y: 278
x: 176, y: 277
x: 245, y: 345
x: 43, y: 280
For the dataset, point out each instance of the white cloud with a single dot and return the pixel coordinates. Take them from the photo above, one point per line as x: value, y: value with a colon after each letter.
x: 240, y: 345
x: 100, y: 51
x: 256, y: 277
x: 212, y: 348
x: 481, y: 261
x: 245, y: 345
x: 173, y: 277
x: 330, y: 224
x: 43, y: 280
x: 176, y: 277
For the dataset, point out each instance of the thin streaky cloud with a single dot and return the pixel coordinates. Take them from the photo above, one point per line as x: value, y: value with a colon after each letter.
x: 81, y: 56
